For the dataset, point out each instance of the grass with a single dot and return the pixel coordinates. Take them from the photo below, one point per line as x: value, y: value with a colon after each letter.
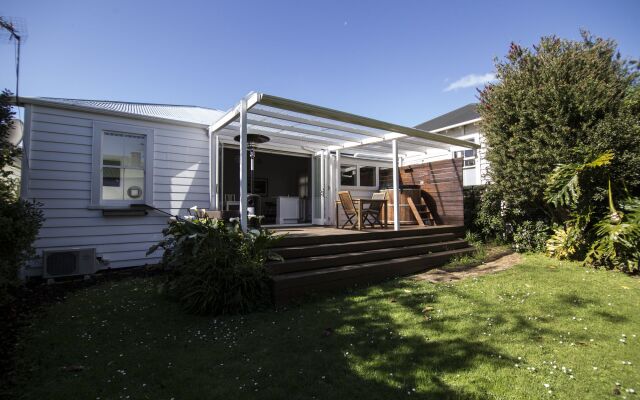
x: 483, y: 253
x: 544, y: 329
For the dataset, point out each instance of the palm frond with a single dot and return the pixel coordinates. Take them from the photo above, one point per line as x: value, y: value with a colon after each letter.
x: 563, y: 185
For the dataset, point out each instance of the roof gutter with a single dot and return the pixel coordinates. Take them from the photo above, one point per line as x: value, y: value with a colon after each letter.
x: 445, y: 128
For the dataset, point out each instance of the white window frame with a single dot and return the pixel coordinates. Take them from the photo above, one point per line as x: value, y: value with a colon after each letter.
x: 358, y: 163
x: 376, y: 178
x: 474, y: 139
x: 357, y: 176
x: 99, y: 128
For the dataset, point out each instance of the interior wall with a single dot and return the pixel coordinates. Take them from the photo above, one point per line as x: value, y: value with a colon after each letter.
x: 285, y: 175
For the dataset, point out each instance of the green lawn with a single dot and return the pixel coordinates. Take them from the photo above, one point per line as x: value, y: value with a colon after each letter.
x: 543, y: 329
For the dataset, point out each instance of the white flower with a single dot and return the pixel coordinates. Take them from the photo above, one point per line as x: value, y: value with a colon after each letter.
x: 194, y: 208
x: 546, y: 385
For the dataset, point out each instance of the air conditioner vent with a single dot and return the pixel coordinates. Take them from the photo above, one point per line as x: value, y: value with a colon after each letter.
x: 62, y: 263
x: 69, y: 262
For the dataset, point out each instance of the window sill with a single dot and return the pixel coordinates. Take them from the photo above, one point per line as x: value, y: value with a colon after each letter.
x: 119, y: 210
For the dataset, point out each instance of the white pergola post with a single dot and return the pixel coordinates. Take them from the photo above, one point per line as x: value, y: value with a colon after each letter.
x: 323, y: 189
x: 243, y: 165
x: 214, y: 171
x: 338, y: 171
x: 217, y: 195
x: 396, y: 186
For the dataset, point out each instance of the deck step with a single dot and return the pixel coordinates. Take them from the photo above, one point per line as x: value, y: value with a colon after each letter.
x: 291, y: 285
x: 358, y: 256
x: 357, y: 236
x: 289, y: 253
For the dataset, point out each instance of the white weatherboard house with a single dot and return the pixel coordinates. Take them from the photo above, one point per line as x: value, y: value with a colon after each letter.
x: 462, y: 123
x: 105, y: 171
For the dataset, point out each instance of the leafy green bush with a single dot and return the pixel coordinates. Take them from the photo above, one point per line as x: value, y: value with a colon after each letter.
x: 530, y: 237
x: 602, y: 234
x: 617, y: 238
x: 20, y: 219
x: 558, y: 102
x: 216, y: 268
x: 496, y: 218
x: 472, y: 196
x: 566, y: 242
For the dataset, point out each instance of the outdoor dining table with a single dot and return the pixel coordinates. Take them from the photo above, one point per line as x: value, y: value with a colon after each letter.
x: 359, y: 209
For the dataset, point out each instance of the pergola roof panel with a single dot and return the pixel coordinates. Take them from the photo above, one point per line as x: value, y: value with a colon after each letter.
x: 313, y: 127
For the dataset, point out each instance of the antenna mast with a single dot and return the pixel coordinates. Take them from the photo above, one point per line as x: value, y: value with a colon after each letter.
x: 14, y: 35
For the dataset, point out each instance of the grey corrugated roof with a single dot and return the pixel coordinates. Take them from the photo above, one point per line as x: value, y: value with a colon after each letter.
x: 183, y: 113
x: 457, y: 116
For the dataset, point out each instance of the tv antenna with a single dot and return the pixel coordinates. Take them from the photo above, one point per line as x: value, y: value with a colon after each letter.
x: 14, y: 31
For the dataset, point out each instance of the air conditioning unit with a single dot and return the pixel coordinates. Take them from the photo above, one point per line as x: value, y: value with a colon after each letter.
x: 68, y: 262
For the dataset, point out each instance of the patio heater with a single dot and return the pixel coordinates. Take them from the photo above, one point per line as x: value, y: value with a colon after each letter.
x: 253, y: 140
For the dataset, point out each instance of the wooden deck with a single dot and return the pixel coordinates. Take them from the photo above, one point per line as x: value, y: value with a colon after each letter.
x: 324, y: 258
x: 299, y: 231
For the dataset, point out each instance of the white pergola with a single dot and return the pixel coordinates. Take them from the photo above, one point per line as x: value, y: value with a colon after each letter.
x: 301, y: 127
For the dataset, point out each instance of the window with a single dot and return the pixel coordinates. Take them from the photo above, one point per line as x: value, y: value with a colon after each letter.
x: 468, y: 155
x: 385, y: 177
x: 367, y: 176
x: 348, y: 175
x: 464, y: 153
x: 122, y: 165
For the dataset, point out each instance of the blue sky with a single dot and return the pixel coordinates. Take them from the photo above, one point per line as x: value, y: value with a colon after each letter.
x: 392, y: 60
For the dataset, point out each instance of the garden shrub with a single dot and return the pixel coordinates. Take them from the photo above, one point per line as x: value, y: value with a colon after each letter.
x: 530, y: 237
x: 602, y: 233
x: 471, y: 198
x: 20, y: 219
x: 566, y: 242
x: 214, y: 267
x: 559, y: 102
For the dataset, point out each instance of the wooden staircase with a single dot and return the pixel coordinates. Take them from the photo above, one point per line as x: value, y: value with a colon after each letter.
x: 421, y: 212
x: 329, y: 262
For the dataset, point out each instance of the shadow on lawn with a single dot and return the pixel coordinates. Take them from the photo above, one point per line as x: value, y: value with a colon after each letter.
x: 418, y: 360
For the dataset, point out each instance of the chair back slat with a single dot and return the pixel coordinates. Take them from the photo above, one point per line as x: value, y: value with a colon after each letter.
x: 377, y: 206
x: 347, y: 202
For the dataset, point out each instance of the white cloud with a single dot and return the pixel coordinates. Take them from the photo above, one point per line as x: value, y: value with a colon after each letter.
x: 471, y: 80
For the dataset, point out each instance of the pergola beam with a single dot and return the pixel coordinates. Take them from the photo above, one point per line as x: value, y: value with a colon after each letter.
x: 250, y: 100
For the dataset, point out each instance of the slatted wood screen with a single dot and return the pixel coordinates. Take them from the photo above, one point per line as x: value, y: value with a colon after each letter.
x: 441, y: 182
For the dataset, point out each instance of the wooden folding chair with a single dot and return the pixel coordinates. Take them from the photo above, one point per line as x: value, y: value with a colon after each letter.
x: 372, y: 214
x: 349, y: 209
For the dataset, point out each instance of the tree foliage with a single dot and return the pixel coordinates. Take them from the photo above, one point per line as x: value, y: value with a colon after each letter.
x: 560, y: 102
x: 607, y: 238
x: 20, y: 219
x: 8, y: 152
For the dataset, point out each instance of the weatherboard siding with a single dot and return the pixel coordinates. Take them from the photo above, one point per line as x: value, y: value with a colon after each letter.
x: 60, y: 160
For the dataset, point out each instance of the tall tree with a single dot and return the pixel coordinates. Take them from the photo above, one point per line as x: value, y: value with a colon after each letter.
x: 9, y: 152
x: 561, y: 101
